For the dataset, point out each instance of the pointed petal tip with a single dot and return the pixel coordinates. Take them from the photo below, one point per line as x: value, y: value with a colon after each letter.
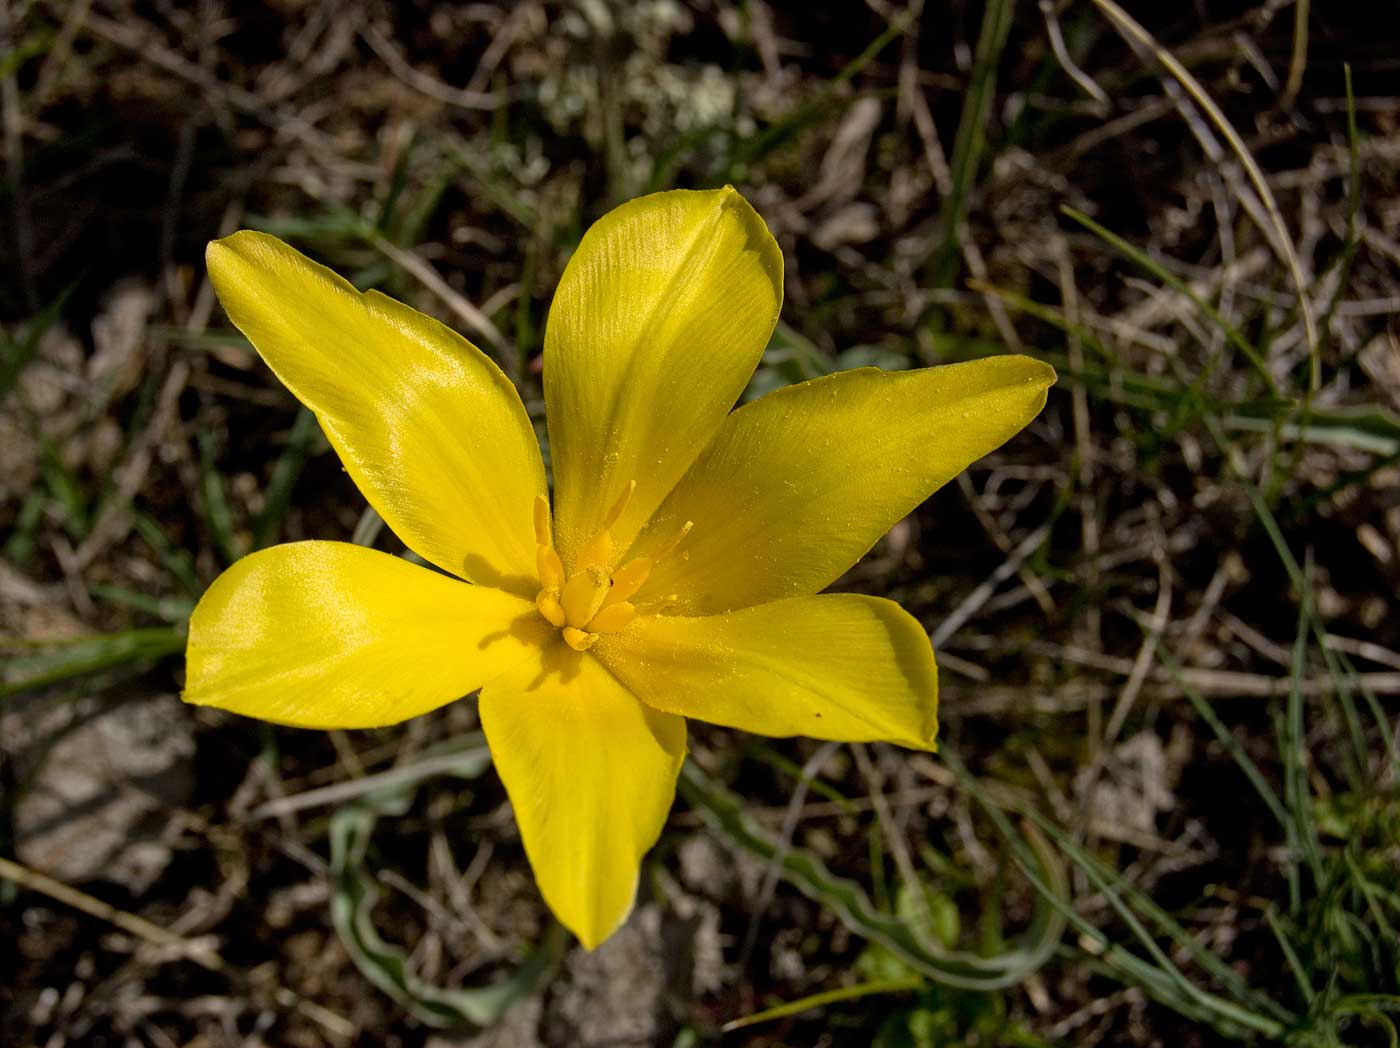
x: 923, y: 741
x: 1046, y: 374
x: 727, y: 198
x: 590, y: 937
x: 214, y: 252
x: 591, y: 929
x: 232, y: 241
x: 222, y: 256
x: 1034, y: 371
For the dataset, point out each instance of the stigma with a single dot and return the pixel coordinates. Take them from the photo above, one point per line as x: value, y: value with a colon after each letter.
x: 596, y: 598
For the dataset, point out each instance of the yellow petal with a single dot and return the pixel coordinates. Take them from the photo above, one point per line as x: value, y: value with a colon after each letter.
x: 330, y: 635
x: 430, y: 429
x: 659, y: 320
x: 798, y: 485
x: 591, y: 773
x: 837, y: 666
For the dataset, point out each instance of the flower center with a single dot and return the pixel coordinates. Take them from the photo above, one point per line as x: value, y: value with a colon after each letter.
x: 595, y: 599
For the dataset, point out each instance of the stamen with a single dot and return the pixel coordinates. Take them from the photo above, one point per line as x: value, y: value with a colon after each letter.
x: 543, y: 536
x: 551, y: 569
x: 547, y: 601
x: 670, y: 547
x: 578, y: 640
x: 656, y: 607
x: 620, y: 506
x: 612, y: 619
x: 628, y: 580
x: 583, y: 595
x: 549, y: 566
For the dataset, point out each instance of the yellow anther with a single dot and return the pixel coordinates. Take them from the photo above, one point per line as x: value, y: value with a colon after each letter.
x: 551, y: 569
x: 670, y: 547
x: 547, y: 602
x: 543, y: 536
x: 583, y: 596
x: 614, y: 618
x: 620, y: 506
x: 628, y: 580
x: 656, y: 607
x: 578, y: 640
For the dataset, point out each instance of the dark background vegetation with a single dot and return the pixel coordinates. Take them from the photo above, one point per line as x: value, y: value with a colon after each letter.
x: 1166, y: 811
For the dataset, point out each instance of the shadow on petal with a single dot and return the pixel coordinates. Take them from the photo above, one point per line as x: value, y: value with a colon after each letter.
x: 477, y: 567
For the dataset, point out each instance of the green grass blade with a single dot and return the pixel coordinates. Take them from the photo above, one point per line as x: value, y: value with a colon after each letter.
x: 1166, y: 276
x: 970, y: 141
x: 175, y: 559
x: 1225, y: 737
x: 19, y: 545
x: 1350, y: 238
x: 66, y: 490
x: 88, y: 655
x: 724, y: 814
x: 1290, y: 955
x: 218, y: 514
x: 1108, y: 956
x: 1303, y: 836
x: 818, y: 1000
x: 278, y: 497
x: 16, y: 354
x: 168, y: 609
x: 1110, y: 886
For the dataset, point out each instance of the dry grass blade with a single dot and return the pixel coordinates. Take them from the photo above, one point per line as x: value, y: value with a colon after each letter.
x: 201, y: 953
x: 1278, y: 235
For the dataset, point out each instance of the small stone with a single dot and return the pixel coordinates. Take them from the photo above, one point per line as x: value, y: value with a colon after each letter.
x: 108, y: 772
x: 613, y: 995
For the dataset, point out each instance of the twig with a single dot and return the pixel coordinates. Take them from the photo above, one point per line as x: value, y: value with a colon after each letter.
x: 340, y: 792
x: 58, y: 54
x: 13, y: 118
x: 283, y: 121
x: 1142, y: 665
x: 131, y: 476
x: 199, y: 952
x: 773, y: 869
x: 1057, y: 44
x: 455, y: 301
x: 1084, y: 450
x: 1298, y: 61
x: 898, y: 845
x: 421, y: 82
x: 974, y: 600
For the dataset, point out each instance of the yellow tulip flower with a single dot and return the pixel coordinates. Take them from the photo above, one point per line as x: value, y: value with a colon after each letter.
x: 677, y: 573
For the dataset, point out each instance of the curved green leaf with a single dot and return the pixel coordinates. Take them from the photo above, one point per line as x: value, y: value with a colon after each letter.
x: 725, y: 814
